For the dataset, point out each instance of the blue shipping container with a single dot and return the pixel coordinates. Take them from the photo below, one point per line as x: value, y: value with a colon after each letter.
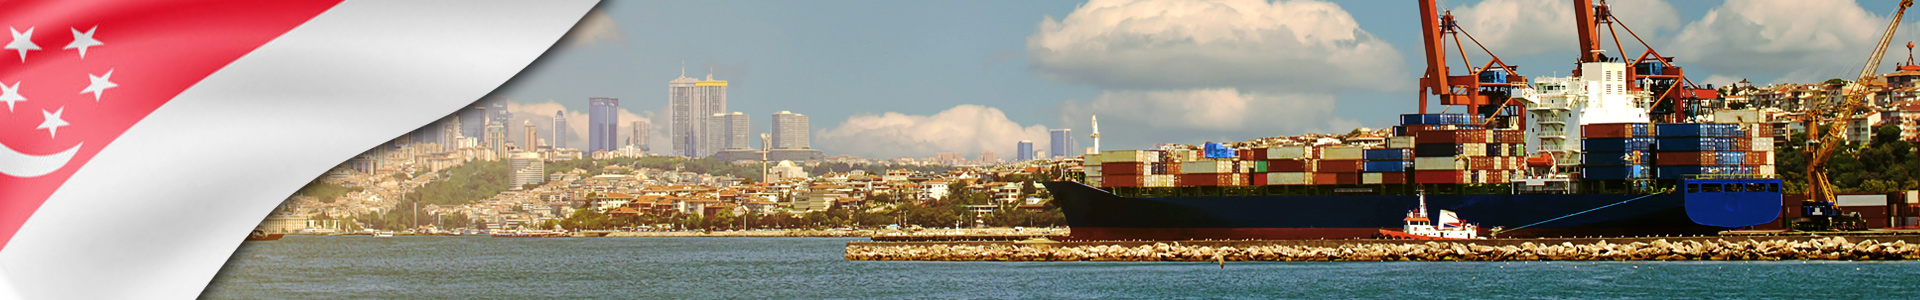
x: 1493, y: 76
x: 1679, y: 172
x: 1693, y: 144
x: 1616, y: 144
x: 1699, y: 130
x: 1388, y: 154
x: 1608, y: 159
x: 1386, y: 166
x: 1613, y: 172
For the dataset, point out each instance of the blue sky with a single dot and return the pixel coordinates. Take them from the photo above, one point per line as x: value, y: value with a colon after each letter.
x: 894, y: 78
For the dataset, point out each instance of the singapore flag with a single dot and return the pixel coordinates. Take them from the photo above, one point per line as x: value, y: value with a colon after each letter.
x: 141, y: 140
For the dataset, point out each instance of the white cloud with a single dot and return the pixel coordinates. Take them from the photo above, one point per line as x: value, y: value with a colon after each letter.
x: 1141, y: 118
x: 1526, y: 27
x: 1805, y: 40
x: 966, y: 129
x: 594, y: 28
x: 1172, y: 44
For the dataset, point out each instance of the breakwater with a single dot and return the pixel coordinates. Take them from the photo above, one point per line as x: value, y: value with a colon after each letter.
x: 1695, y: 248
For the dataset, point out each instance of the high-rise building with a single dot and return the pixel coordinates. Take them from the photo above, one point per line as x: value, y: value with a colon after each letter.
x: 497, y: 139
x: 1023, y: 151
x: 690, y: 103
x: 790, y: 131
x: 640, y: 135
x: 527, y: 168
x: 737, y: 129
x: 559, y: 129
x: 987, y: 157
x: 497, y: 113
x: 533, y: 137
x: 1062, y: 143
x: 603, y: 124
x: 473, y: 121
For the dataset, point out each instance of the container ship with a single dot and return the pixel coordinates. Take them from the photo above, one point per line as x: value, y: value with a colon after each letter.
x: 1622, y: 147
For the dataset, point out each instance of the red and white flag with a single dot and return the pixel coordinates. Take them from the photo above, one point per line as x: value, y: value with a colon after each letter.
x: 141, y: 140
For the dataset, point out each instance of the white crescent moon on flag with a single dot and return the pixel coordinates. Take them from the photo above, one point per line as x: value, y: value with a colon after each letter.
x: 16, y: 164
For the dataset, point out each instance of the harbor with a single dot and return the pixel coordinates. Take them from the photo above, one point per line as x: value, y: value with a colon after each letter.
x: 1717, y: 248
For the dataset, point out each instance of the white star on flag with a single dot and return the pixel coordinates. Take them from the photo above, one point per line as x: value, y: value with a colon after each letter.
x: 98, y: 84
x: 22, y: 41
x: 53, y: 122
x: 83, y: 40
x: 11, y: 94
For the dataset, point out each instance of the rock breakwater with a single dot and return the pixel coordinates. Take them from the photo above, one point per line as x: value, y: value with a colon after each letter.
x: 1836, y: 248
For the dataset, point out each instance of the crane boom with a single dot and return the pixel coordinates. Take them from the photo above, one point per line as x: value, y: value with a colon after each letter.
x: 1820, y: 190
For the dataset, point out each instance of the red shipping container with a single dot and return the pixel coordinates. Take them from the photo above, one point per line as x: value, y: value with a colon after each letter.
x: 1326, y: 178
x: 1687, y: 158
x: 1334, y: 166
x: 1345, y: 178
x: 1510, y: 137
x: 1124, y: 168
x: 1121, y: 180
x: 1290, y: 165
x: 1393, y: 178
x: 1440, y: 176
x: 1221, y: 179
x: 1460, y: 136
x: 1609, y: 130
x: 1259, y: 179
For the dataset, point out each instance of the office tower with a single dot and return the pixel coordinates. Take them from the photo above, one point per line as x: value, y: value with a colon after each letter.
x: 690, y: 103
x: 1023, y: 151
x: 640, y: 135
x: 497, y: 139
x: 559, y: 129
x: 497, y: 113
x: 603, y: 124
x: 527, y: 168
x: 736, y: 129
x: 533, y: 137
x: 473, y: 121
x: 450, y: 133
x: 790, y: 131
x: 1062, y: 143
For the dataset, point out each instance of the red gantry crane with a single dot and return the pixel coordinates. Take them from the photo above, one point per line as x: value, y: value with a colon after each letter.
x: 1486, y: 91
x: 1676, y: 99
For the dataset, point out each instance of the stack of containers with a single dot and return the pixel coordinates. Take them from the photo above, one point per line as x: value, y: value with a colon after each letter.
x: 1128, y: 168
x: 1615, y: 151
x: 1290, y: 165
x: 1387, y: 165
x: 1212, y: 172
x: 1700, y: 148
x: 1467, y: 156
x: 1338, y: 165
x: 1761, y: 157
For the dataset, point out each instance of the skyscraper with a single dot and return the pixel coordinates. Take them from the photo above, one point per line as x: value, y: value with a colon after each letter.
x: 559, y: 129
x: 497, y: 139
x: 640, y: 135
x: 527, y: 168
x: 1062, y: 143
x: 737, y: 127
x: 690, y: 103
x: 533, y: 137
x: 473, y: 121
x: 497, y: 113
x: 790, y: 131
x: 603, y: 124
x: 1023, y: 151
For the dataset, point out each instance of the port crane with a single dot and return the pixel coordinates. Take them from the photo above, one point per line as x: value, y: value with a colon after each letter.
x: 1819, y: 212
x: 1486, y: 91
x: 1649, y: 71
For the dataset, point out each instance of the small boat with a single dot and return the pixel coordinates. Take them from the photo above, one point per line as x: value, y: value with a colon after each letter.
x: 1419, y: 227
x: 263, y: 235
x: 383, y: 234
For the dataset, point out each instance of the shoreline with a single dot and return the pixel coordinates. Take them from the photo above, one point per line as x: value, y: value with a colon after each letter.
x: 1900, y: 247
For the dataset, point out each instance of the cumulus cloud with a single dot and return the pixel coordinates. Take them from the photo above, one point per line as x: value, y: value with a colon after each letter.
x: 1178, y: 44
x: 1805, y: 40
x: 966, y: 129
x: 1526, y: 27
x: 595, y: 28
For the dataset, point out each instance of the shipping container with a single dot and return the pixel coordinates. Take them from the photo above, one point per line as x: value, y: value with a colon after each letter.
x: 1136, y: 156
x: 1402, y: 142
x: 1459, y: 136
x: 1680, y: 172
x: 1289, y: 178
x: 1221, y: 179
x: 1383, y: 178
x: 1290, y: 165
x: 1439, y: 163
x: 1440, y: 176
x: 1260, y: 166
x: 1290, y: 152
x: 1257, y: 179
x: 1341, y: 152
x: 1337, y: 166
x: 1763, y: 144
x: 1613, y: 172
x: 1612, y: 158
x: 1096, y: 181
x: 1510, y: 136
x: 1669, y: 144
x: 1616, y: 144
x: 1698, y: 130
x: 1438, y: 119
x: 1764, y: 170
x: 1387, y: 166
x: 1126, y: 168
x: 1123, y: 180
x: 1207, y: 167
x: 1157, y: 180
x: 1614, y: 130
x: 1388, y: 154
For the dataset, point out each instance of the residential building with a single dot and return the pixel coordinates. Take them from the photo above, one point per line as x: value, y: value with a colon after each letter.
x: 532, y: 141
x: 603, y: 124
x: 527, y: 168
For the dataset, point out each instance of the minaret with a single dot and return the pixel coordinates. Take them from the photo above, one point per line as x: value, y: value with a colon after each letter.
x: 1096, y: 133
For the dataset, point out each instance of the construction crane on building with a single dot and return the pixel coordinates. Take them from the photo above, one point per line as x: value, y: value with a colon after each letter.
x: 1486, y: 91
x: 1819, y: 211
x: 1676, y: 99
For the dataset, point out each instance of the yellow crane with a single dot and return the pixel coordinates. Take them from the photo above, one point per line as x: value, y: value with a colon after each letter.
x: 1819, y: 210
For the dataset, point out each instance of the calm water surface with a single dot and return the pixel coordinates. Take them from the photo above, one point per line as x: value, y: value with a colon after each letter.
x: 310, y: 267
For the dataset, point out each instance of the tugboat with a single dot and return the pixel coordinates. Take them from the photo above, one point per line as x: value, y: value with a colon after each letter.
x: 263, y: 235
x: 1419, y: 227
